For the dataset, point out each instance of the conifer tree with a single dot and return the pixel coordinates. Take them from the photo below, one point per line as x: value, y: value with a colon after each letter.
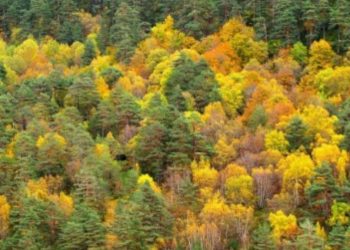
x: 285, y: 26
x: 262, y: 238
x: 296, y: 134
x: 126, y: 31
x: 83, y: 230
x: 142, y: 220
x: 89, y: 52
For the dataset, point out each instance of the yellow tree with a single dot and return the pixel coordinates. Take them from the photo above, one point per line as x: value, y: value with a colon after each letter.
x: 321, y: 56
x: 231, y: 91
x: 321, y: 125
x: 205, y: 177
x: 239, y: 189
x: 4, y: 216
x: 275, y: 140
x: 283, y: 226
x: 296, y: 170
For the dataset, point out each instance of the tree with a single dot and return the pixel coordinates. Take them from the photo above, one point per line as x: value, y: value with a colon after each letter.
x: 341, y: 21
x: 4, y: 216
x: 126, y: 31
x: 336, y: 236
x: 310, y: 19
x: 296, y: 170
x: 83, y: 95
x: 142, y: 220
x: 285, y: 26
x: 83, y: 230
x: 196, y: 78
x: 283, y: 226
x: 197, y: 18
x: 296, y: 134
x: 257, y: 118
x: 52, y: 154
x: 127, y: 108
x: 262, y: 238
x: 275, y: 140
x: 308, y: 239
x: 323, y: 15
x: 150, y: 149
x: 322, y: 190
x: 321, y: 56
x: 299, y: 53
x: 3, y: 72
x: 89, y: 52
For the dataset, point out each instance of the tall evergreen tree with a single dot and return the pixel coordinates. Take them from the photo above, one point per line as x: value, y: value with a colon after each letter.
x: 89, y: 52
x: 322, y: 191
x: 126, y: 31
x: 83, y: 230
x: 323, y: 10
x: 262, y: 238
x: 195, y: 78
x: 296, y: 134
x: 142, y: 220
x: 198, y: 18
x: 284, y: 23
x: 310, y: 19
x: 340, y: 21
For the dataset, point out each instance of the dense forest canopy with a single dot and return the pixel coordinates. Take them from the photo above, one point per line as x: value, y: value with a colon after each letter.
x: 158, y: 124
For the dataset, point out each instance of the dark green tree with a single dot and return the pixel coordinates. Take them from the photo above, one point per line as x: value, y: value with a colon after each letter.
x: 195, y: 78
x: 111, y: 75
x: 126, y: 31
x: 340, y: 21
x: 3, y: 71
x: 284, y: 23
x: 323, y: 10
x: 198, y: 18
x: 310, y: 19
x: 142, y: 220
x: 296, y: 134
x: 104, y: 119
x: 127, y: 110
x: 83, y: 230
x: 150, y: 149
x: 322, y: 191
x: 83, y: 95
x: 89, y: 52
x: 336, y: 237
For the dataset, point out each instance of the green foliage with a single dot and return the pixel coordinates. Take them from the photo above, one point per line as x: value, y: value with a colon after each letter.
x: 262, y: 238
x: 89, y: 52
x: 257, y: 118
x: 126, y: 31
x: 83, y: 95
x: 196, y: 78
x: 296, y: 134
x: 299, y: 53
x: 84, y: 229
x: 142, y: 220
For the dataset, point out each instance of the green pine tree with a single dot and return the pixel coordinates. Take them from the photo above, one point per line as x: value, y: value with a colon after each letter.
x: 83, y: 230
x: 296, y: 134
x: 262, y: 238
x: 89, y: 52
x: 284, y: 24
x: 142, y: 220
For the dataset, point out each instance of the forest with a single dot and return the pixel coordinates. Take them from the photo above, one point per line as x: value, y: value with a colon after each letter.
x: 174, y: 124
